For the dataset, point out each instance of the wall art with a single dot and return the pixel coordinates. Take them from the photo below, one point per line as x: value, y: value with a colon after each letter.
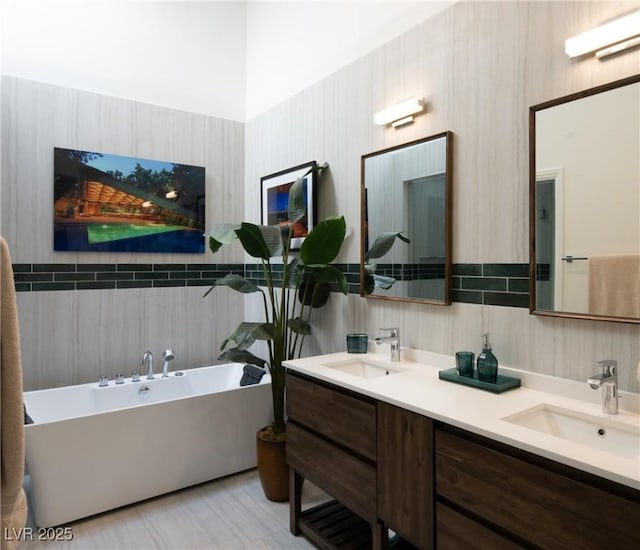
x: 275, y: 199
x: 113, y: 203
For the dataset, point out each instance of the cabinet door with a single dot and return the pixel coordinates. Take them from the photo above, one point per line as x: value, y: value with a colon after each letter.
x: 536, y: 504
x: 348, y: 479
x: 405, y: 474
x: 456, y: 531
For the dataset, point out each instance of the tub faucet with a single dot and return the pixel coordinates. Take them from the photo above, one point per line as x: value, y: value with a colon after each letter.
x: 167, y: 355
x: 147, y: 363
x: 393, y: 340
x: 608, y: 381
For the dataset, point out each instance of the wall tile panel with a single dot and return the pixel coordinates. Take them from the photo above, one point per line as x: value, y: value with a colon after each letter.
x: 73, y: 327
x: 479, y: 66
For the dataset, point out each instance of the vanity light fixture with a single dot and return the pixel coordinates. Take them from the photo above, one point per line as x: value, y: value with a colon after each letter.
x: 612, y: 37
x: 173, y: 194
x: 400, y: 114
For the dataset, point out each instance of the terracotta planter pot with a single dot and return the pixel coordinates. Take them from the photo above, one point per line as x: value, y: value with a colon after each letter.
x: 272, y: 466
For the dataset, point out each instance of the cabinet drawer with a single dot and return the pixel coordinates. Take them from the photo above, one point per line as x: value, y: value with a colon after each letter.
x: 348, y: 479
x: 534, y: 503
x: 455, y: 531
x: 343, y: 418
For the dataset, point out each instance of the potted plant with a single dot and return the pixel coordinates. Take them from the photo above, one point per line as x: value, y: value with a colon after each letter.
x: 294, y: 282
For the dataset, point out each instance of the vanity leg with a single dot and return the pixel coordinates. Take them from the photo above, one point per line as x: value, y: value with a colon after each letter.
x: 379, y: 536
x: 295, y: 500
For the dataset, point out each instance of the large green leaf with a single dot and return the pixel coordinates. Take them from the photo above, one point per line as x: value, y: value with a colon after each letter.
x: 297, y: 208
x: 311, y: 293
x: 293, y: 274
x: 247, y: 333
x: 237, y: 283
x: 236, y: 355
x: 223, y: 233
x: 371, y: 280
x: 369, y: 284
x: 383, y: 244
x: 214, y: 245
x: 260, y: 241
x: 322, y: 244
x: 329, y: 274
x: 299, y: 326
x: 383, y: 282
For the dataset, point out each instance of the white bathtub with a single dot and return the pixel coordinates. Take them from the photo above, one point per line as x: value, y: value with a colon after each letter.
x: 92, y: 449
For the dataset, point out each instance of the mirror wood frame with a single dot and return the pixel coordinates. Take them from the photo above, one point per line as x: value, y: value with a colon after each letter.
x: 448, y: 135
x: 533, y: 208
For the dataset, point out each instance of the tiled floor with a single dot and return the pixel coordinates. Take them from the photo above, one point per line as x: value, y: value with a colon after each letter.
x: 230, y: 513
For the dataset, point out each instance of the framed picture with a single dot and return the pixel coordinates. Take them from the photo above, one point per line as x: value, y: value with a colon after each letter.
x: 112, y: 203
x: 275, y: 200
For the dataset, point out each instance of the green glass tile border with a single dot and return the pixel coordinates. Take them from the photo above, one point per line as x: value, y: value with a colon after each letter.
x: 500, y: 284
x: 496, y: 284
x: 505, y: 270
x: 92, y: 276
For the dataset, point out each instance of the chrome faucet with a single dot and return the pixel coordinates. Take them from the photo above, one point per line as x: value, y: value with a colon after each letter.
x: 147, y: 363
x: 608, y: 381
x: 393, y: 340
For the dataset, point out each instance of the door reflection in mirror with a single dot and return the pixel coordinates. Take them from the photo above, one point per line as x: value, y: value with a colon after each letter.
x: 585, y: 193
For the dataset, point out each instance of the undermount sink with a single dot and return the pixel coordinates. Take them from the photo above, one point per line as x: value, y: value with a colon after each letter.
x: 362, y: 367
x: 599, y: 433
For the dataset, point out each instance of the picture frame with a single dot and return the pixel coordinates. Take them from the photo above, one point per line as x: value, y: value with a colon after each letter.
x: 113, y: 203
x: 275, y: 199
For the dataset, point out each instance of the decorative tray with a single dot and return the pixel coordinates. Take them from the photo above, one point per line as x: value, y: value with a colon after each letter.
x: 503, y: 383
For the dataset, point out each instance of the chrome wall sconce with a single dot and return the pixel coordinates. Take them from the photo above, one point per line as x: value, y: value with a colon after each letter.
x: 607, y: 39
x: 400, y: 114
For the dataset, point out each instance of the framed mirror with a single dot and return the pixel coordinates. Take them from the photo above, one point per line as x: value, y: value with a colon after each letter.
x: 584, y: 204
x: 406, y: 208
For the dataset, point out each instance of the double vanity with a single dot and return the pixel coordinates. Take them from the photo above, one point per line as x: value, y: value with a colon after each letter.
x: 449, y: 466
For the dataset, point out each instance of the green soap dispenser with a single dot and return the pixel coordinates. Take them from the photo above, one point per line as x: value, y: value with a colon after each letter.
x: 487, y: 362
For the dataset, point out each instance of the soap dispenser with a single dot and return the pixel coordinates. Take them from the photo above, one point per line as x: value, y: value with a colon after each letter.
x: 487, y: 362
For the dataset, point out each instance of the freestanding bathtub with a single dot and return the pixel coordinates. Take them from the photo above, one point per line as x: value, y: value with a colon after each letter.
x: 92, y: 448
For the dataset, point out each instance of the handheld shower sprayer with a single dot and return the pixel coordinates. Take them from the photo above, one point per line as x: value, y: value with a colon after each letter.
x: 167, y: 355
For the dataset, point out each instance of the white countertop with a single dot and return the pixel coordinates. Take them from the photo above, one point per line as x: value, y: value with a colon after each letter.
x: 419, y: 389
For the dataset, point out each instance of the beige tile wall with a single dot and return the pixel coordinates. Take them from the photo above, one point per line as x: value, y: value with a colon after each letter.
x: 71, y: 337
x: 480, y: 65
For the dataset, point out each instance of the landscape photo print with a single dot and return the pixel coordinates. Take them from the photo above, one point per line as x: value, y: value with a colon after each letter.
x: 113, y: 203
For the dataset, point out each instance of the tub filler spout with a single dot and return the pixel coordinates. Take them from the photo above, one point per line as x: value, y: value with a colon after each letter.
x: 147, y: 363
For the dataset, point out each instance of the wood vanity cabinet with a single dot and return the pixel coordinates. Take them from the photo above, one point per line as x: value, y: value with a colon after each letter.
x: 331, y: 440
x: 375, y: 459
x: 405, y: 474
x: 510, y: 498
x: 436, y: 485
